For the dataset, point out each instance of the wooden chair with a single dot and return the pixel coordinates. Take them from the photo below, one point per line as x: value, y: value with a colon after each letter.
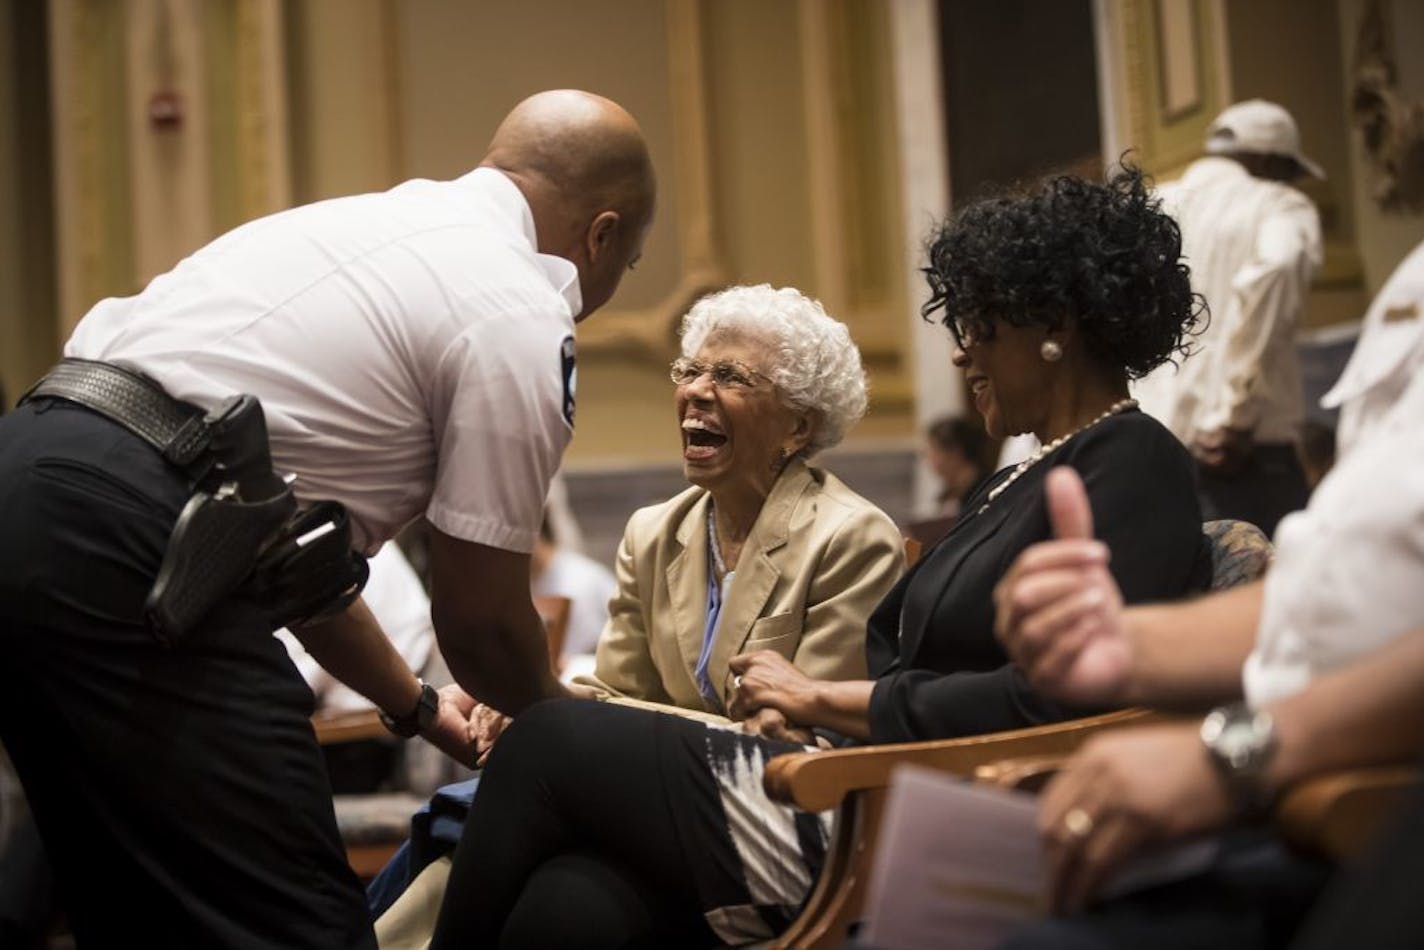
x: 373, y: 826
x: 854, y: 781
x: 1336, y: 815
x: 913, y: 548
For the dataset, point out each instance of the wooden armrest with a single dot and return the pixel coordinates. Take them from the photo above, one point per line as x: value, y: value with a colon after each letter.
x: 1336, y: 815
x: 1028, y: 773
x: 817, y: 781
x: 349, y: 727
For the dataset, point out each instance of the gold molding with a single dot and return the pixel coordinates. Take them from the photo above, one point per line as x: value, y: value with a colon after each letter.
x: 649, y: 331
x: 93, y: 239
x: 264, y: 175
x: 824, y: 173
x: 170, y: 176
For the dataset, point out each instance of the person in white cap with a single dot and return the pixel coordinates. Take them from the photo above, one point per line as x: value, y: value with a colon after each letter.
x: 1252, y: 242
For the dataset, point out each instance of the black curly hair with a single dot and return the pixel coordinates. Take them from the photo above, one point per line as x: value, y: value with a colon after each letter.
x: 1103, y: 254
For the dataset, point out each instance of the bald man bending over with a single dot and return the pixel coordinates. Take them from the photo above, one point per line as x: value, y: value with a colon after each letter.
x: 412, y: 353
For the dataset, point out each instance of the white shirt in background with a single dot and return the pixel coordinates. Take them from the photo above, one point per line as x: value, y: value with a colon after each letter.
x: 1252, y: 246
x: 412, y: 350
x: 589, y: 586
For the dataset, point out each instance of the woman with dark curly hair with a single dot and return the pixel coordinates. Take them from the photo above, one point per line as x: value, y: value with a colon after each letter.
x: 603, y: 826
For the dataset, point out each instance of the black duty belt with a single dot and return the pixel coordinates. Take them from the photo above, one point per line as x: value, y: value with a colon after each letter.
x: 179, y: 431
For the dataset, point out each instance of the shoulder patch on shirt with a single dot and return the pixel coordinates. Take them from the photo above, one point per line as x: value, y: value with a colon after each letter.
x: 570, y: 370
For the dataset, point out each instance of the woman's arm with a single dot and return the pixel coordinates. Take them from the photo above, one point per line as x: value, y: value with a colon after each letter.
x: 861, y: 562
x: 623, y: 662
x: 824, y: 685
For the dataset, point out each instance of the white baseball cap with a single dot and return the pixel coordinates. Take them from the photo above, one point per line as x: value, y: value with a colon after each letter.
x: 1259, y: 127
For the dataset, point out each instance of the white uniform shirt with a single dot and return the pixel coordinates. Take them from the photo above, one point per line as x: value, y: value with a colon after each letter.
x: 412, y: 351
x: 1252, y: 246
x: 1348, y: 569
x: 398, y: 600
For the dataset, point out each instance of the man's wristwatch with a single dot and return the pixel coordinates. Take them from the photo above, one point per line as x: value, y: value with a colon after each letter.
x: 1240, y: 743
x: 418, y: 718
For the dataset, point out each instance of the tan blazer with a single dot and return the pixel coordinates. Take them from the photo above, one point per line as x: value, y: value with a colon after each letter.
x: 818, y: 559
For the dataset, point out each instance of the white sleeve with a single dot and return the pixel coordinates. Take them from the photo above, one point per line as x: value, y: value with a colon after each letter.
x: 502, y: 416
x: 1267, y: 296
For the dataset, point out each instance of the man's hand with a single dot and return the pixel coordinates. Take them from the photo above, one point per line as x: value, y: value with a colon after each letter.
x: 771, y: 724
x: 1222, y: 451
x: 767, y: 679
x: 453, y: 731
x: 1058, y: 612
x: 1122, y: 791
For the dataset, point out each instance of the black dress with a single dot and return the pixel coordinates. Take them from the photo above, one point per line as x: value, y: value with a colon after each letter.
x: 657, y: 827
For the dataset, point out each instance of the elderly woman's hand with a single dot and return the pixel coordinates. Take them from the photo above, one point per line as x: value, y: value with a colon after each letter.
x: 772, y: 724
x: 1058, y: 611
x: 1125, y: 790
x: 767, y: 679
x: 487, y: 725
x: 452, y: 730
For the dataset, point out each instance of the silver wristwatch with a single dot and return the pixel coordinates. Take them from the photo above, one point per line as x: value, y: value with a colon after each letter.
x: 1241, y: 743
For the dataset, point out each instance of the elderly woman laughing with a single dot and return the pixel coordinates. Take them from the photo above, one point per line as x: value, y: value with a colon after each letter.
x: 764, y: 551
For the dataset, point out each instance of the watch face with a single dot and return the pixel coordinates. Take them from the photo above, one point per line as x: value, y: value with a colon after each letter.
x: 1238, y: 742
x: 1240, y: 738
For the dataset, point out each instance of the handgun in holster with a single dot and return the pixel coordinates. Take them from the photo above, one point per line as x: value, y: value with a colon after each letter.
x: 242, y: 514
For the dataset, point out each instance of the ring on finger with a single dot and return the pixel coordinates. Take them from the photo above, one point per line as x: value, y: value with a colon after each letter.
x: 737, y: 681
x: 1078, y: 823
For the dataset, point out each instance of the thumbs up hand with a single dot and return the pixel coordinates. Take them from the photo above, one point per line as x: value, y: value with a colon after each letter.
x: 1058, y: 611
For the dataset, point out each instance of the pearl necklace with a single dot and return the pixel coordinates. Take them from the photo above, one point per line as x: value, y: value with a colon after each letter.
x: 1121, y: 405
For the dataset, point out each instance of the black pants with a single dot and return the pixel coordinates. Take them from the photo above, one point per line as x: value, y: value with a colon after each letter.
x: 1270, y: 486
x: 595, y: 826
x: 1253, y: 897
x: 179, y: 791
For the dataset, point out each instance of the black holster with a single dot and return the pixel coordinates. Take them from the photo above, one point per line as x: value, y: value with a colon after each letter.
x: 241, y: 530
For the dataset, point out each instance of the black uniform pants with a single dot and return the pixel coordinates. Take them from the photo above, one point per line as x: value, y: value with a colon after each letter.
x: 179, y: 790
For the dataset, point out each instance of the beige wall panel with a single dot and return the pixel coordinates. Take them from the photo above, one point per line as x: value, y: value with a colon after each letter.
x: 759, y: 143
x: 482, y: 58
x: 93, y: 204
x: 250, y: 152
x: 343, y: 90
x: 169, y: 173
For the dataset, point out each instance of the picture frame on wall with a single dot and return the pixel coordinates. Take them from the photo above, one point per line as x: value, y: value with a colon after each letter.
x: 1179, y: 58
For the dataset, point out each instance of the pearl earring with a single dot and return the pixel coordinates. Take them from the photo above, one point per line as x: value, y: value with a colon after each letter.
x: 1051, y: 351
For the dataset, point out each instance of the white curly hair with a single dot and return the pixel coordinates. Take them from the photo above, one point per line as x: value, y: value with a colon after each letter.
x: 814, y: 364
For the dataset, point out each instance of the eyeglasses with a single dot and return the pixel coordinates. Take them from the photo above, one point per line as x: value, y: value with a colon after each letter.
x: 726, y: 374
